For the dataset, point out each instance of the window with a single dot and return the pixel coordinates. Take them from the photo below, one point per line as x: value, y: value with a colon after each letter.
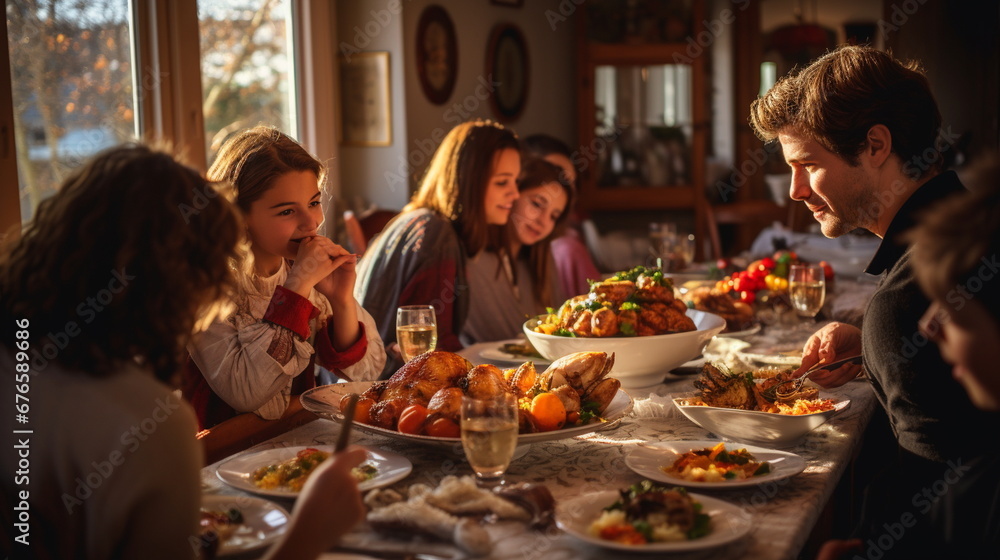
x: 89, y: 75
x: 72, y: 83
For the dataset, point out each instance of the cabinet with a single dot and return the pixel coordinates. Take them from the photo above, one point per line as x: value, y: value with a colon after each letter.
x: 642, y: 106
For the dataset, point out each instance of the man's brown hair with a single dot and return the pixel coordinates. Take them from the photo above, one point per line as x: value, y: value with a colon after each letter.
x: 841, y: 95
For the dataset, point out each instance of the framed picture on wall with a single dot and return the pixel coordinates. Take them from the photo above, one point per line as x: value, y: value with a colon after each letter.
x: 437, y: 54
x: 365, y: 99
x: 507, y: 66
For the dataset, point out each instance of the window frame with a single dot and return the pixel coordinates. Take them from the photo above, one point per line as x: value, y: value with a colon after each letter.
x: 168, y: 92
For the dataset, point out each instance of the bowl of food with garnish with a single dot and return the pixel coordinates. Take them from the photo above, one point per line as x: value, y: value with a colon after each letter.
x: 635, y: 315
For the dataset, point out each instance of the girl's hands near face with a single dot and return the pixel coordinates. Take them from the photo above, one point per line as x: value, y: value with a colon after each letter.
x: 318, y: 258
x: 338, y: 286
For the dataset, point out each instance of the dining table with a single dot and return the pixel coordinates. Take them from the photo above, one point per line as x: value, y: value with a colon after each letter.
x: 781, y: 513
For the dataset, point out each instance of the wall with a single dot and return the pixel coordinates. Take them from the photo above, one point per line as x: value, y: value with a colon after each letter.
x: 955, y: 42
x: 832, y: 14
x: 358, y: 27
x: 384, y: 176
x: 962, y: 62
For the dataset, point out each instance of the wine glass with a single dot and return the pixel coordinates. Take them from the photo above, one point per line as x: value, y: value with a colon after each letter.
x: 806, y: 288
x: 489, y: 436
x: 416, y: 330
x: 662, y: 244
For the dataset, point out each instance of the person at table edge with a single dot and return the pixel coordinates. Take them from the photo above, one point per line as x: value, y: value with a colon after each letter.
x: 860, y: 131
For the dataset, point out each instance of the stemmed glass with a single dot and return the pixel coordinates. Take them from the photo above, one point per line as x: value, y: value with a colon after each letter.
x: 489, y: 436
x: 416, y: 330
x: 662, y: 244
x: 806, y: 288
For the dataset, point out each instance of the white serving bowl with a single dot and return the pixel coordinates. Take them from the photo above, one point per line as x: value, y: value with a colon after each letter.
x: 752, y: 426
x: 640, y: 361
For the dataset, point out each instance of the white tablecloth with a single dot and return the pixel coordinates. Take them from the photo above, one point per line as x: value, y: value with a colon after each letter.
x: 782, y: 513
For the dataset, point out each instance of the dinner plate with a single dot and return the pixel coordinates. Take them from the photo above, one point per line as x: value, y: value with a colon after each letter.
x: 496, y: 354
x: 325, y: 401
x: 752, y: 330
x: 263, y: 522
x: 236, y: 471
x: 789, y: 358
x: 647, y: 462
x: 729, y: 523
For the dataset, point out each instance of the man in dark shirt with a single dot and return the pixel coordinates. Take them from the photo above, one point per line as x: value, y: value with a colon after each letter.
x: 862, y: 134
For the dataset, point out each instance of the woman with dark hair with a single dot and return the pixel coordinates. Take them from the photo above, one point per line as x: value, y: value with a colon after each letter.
x: 466, y: 196
x: 573, y: 261
x: 98, y: 297
x: 513, y: 282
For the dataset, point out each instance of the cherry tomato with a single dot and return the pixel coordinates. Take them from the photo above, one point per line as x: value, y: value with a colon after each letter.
x: 768, y: 263
x: 443, y: 427
x: 747, y: 297
x: 411, y: 421
x: 827, y: 270
x: 738, y: 285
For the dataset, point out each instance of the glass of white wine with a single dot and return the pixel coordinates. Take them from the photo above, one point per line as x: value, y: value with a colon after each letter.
x: 806, y: 288
x: 489, y: 436
x: 416, y: 330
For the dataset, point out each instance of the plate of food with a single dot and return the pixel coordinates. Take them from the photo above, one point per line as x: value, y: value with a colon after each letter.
x: 514, y: 351
x: 745, y: 406
x: 236, y: 524
x: 616, y: 520
x: 712, y: 464
x: 750, y: 330
x: 421, y: 401
x: 774, y: 357
x: 325, y: 401
x: 280, y: 472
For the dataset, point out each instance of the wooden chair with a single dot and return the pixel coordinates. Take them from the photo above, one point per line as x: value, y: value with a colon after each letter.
x: 751, y: 217
x: 246, y: 430
x: 355, y: 235
x: 374, y: 222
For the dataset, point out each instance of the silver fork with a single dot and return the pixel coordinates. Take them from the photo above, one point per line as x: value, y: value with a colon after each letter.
x: 772, y: 392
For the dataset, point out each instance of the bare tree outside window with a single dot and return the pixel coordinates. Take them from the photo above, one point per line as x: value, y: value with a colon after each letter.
x: 71, y: 81
x: 246, y: 67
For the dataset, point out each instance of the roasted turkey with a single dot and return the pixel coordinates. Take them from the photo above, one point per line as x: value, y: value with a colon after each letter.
x: 439, y: 380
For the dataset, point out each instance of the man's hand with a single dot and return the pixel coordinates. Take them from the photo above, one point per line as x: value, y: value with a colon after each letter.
x: 831, y: 343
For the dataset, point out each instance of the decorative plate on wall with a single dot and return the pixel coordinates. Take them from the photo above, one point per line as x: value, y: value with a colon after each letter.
x: 437, y: 54
x: 507, y: 68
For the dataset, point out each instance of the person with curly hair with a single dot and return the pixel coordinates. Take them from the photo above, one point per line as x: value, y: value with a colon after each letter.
x: 98, y: 297
x: 466, y: 196
x: 294, y: 304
